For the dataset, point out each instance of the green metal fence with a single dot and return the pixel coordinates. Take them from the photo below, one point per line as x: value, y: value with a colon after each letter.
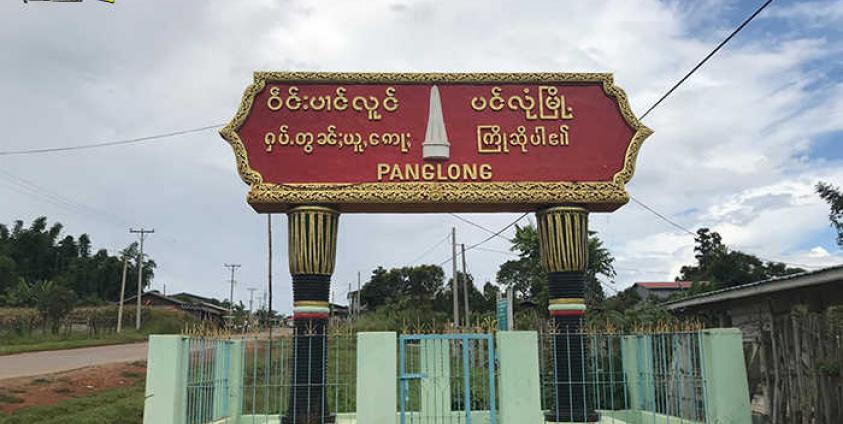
x: 257, y: 386
x: 267, y: 378
x: 675, y: 377
x: 208, y: 385
x: 662, y: 374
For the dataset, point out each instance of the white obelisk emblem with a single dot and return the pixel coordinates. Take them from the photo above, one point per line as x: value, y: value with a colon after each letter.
x: 435, y: 144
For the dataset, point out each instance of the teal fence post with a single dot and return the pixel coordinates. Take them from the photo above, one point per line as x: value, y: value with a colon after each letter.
x: 235, y: 380
x: 724, y: 373
x: 520, y: 394
x: 377, y: 378
x: 166, y: 380
x: 221, y: 362
x: 637, y: 355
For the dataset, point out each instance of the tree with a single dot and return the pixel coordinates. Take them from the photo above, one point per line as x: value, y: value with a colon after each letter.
x: 40, y: 253
x: 54, y: 304
x: 419, y: 284
x: 723, y: 267
x: 834, y: 197
x: 477, y: 302
x: 490, y: 295
x: 529, y: 281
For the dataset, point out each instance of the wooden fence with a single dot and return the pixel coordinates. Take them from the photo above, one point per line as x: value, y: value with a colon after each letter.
x: 795, y: 368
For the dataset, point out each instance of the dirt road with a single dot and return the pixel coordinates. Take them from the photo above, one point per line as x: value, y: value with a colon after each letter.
x: 39, y: 363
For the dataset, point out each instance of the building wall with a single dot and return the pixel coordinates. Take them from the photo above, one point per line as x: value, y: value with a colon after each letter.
x: 645, y: 293
x: 788, y: 340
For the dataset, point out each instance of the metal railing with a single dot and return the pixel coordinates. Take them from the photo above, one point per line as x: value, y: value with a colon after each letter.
x: 447, y: 378
x: 268, y: 389
x: 659, y: 373
x: 252, y: 378
x: 208, y: 385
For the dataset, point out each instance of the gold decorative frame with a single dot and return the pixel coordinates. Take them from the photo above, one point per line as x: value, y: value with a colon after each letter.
x: 436, y: 196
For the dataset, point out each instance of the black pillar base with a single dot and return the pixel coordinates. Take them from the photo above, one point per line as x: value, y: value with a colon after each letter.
x: 308, y: 402
x: 591, y: 417
x: 328, y: 419
x: 572, y: 395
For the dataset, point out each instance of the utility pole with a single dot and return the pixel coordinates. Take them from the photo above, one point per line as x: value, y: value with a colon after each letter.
x: 454, y: 290
x: 465, y: 284
x: 251, y: 299
x: 233, y: 267
x: 122, y: 294
x: 359, y: 292
x: 142, y: 232
x: 269, y: 273
x: 251, y: 311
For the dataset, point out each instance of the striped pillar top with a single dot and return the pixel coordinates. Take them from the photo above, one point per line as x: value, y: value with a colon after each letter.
x: 570, y: 306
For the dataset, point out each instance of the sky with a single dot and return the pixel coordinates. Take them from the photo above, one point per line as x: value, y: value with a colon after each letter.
x: 737, y: 148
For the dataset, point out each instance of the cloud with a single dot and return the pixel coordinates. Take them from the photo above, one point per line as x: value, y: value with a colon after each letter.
x: 815, y: 13
x: 729, y: 150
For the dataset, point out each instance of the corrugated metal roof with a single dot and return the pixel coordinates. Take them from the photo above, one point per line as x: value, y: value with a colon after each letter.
x: 666, y: 285
x: 770, y: 282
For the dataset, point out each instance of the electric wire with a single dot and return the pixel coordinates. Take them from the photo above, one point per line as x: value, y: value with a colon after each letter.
x: 32, y: 189
x: 486, y: 240
x: 54, y: 198
x: 426, y: 252
x: 468, y: 221
x: 661, y: 216
x: 108, y: 143
x: 707, y: 57
x: 686, y: 230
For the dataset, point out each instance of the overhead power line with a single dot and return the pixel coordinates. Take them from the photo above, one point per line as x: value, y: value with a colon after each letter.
x: 29, y: 188
x: 707, y: 57
x: 673, y: 88
x: 661, y: 216
x: 502, y: 252
x: 427, y: 252
x: 136, y: 140
x: 474, y: 224
x: 486, y: 240
x: 686, y: 230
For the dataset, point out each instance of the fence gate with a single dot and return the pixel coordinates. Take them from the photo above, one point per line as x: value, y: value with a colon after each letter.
x: 447, y: 378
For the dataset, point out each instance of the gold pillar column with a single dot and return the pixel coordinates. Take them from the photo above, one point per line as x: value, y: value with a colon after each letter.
x: 312, y: 240
x: 563, y: 246
x: 312, y: 250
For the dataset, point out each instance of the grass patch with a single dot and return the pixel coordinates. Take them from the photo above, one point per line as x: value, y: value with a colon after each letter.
x: 42, y: 380
x: 131, y: 374
x: 123, y: 405
x: 156, y: 322
x: 7, y: 398
x: 37, y: 343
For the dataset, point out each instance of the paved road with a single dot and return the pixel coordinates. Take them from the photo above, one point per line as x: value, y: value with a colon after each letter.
x: 39, y: 363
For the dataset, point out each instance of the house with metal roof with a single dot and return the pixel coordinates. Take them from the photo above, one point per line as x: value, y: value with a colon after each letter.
x: 792, y: 330
x: 660, y: 290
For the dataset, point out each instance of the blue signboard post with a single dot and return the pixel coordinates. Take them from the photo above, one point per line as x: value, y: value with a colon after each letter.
x: 503, y: 312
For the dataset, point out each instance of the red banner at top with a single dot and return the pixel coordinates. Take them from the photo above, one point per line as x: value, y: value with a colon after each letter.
x: 427, y: 142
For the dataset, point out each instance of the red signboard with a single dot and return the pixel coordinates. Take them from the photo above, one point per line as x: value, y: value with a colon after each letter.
x: 435, y: 142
